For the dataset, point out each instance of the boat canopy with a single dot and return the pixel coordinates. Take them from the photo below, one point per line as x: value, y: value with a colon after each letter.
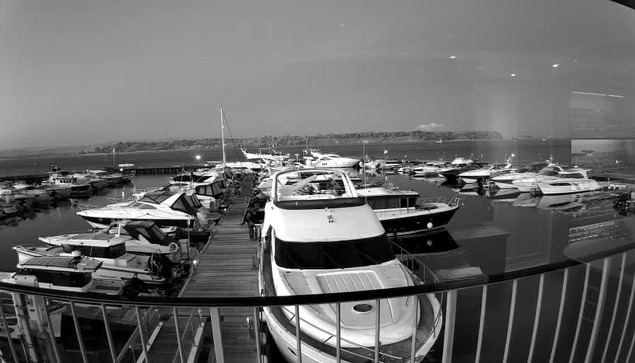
x: 61, y: 263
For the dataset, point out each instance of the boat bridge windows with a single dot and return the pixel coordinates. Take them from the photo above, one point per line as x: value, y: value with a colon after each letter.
x: 333, y: 255
x: 58, y: 278
x: 112, y: 251
x: 391, y: 202
x: 572, y: 176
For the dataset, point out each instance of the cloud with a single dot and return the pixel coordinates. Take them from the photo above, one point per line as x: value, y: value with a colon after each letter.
x: 431, y: 127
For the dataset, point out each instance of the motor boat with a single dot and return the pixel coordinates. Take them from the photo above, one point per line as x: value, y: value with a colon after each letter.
x: 328, y: 240
x: 63, y: 184
x: 527, y: 184
x: 166, y: 209
x: 429, y: 169
x: 505, y: 181
x: 270, y: 155
x: 116, y: 263
x: 574, y: 180
x: 400, y: 213
x: 333, y: 161
x: 208, y: 192
x: 485, y: 173
x: 67, y: 273
x: 140, y: 237
x: 456, y: 167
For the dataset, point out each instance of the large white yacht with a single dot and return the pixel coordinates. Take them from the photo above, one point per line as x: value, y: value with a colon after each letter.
x: 166, y: 209
x: 506, y: 181
x: 330, y: 241
x: 527, y: 184
x: 574, y: 180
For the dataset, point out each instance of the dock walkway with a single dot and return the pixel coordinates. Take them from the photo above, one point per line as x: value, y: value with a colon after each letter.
x: 227, y: 267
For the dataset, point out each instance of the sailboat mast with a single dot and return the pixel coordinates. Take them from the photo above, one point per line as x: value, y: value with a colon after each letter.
x: 222, y: 134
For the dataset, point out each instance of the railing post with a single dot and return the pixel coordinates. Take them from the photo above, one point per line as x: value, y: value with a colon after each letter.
x: 510, y: 320
x: 536, y: 318
x: 338, y: 332
x: 142, y: 336
x: 177, y: 326
x: 563, y: 294
x: 583, y: 302
x: 111, y: 344
x: 415, y: 323
x: 481, y: 326
x: 628, y: 316
x: 78, y: 330
x: 606, y: 267
x: 377, y: 327
x: 617, y: 301
x: 257, y: 334
x: 450, y: 316
x: 298, y: 339
x: 216, y: 331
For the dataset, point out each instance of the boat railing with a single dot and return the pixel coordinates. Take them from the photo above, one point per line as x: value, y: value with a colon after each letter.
x: 439, y: 200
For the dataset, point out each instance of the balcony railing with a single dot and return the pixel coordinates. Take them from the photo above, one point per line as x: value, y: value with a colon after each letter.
x: 575, y: 310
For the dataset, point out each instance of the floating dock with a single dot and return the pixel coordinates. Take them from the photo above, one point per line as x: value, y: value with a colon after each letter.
x: 227, y: 267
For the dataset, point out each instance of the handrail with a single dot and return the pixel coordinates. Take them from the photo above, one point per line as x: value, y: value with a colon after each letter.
x: 328, y: 298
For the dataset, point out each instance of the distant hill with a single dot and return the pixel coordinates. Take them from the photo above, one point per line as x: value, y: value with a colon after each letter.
x: 287, y: 140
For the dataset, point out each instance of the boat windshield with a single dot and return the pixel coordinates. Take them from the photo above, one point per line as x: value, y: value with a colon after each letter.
x: 333, y: 255
x: 549, y: 172
x: 572, y: 176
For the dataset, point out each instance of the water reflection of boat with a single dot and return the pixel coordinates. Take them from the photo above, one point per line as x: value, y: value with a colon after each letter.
x: 503, y: 195
x: 563, y: 203
x: 525, y: 200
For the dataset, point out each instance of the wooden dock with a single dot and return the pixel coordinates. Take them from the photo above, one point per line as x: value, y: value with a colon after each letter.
x: 227, y: 267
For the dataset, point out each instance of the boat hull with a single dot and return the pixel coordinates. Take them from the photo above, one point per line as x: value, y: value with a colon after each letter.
x: 548, y: 189
x: 401, y: 222
x: 102, y: 222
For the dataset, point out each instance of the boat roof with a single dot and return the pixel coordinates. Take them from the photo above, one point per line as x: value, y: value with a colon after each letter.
x: 312, y: 225
x: 99, y: 239
x: 381, y: 191
x: 60, y: 263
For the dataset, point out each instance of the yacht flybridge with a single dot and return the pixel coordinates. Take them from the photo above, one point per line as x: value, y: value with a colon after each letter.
x: 166, y: 209
x: 321, y: 238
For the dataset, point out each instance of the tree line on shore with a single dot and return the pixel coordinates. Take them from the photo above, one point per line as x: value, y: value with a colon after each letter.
x: 287, y: 140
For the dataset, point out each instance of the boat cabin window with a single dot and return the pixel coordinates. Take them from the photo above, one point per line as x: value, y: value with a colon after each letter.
x: 204, y: 190
x: 114, y: 251
x: 565, y: 184
x: 333, y: 255
x: 156, y: 198
x: 408, y: 202
x: 59, y: 278
x: 573, y: 176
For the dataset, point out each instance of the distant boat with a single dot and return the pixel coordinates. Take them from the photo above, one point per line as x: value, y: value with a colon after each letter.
x: 439, y: 141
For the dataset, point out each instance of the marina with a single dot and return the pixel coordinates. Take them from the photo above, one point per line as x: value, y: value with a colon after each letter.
x: 474, y: 246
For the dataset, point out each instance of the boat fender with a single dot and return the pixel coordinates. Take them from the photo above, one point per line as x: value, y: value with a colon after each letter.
x: 430, y: 225
x: 202, y: 218
x: 173, y: 247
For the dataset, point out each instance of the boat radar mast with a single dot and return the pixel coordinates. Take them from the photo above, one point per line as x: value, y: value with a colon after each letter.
x: 222, y: 134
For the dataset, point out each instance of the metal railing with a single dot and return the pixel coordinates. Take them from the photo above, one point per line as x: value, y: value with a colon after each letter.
x: 534, y: 314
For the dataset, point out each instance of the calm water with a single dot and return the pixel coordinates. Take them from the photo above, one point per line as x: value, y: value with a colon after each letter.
x: 487, y: 151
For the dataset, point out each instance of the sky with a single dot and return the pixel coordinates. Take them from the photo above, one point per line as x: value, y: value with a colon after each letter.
x: 84, y: 72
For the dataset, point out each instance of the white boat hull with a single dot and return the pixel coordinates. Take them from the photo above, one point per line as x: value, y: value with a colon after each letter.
x: 547, y: 188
